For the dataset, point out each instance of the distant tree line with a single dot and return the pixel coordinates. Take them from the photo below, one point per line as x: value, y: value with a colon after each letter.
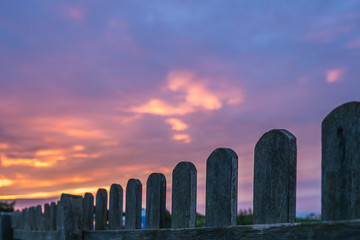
x: 7, y: 207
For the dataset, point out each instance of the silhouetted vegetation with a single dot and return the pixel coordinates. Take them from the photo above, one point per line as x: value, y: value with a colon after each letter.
x: 245, y: 217
x: 7, y: 207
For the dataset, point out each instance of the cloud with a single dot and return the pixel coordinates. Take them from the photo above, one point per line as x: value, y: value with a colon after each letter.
x: 177, y: 124
x: 182, y: 137
x: 195, y: 95
x: 74, y: 13
x: 334, y: 75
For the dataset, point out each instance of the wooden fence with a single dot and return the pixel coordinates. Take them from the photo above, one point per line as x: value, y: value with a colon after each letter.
x: 273, y: 205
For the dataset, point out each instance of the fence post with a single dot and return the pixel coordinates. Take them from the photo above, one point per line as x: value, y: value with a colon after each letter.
x: 221, y: 188
x: 59, y: 216
x: 53, y: 216
x: 101, y: 209
x: 133, y: 204
x: 88, y: 211
x: 183, y: 196
x: 115, y: 207
x: 26, y: 217
x: 47, y: 220
x: 39, y: 222
x: 72, y: 210
x: 155, y: 201
x: 5, y: 226
x: 32, y: 217
x: 341, y: 163
x: 275, y: 178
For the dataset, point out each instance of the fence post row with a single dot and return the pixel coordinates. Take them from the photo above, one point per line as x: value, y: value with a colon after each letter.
x: 340, y: 191
x: 275, y: 178
x: 274, y: 199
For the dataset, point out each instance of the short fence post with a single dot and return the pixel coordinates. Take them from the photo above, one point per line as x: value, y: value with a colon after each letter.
x: 5, y: 226
x: 183, y: 196
x: 115, y: 207
x: 32, y: 217
x: 52, y: 223
x: 275, y: 178
x: 341, y: 163
x: 39, y: 222
x: 155, y: 201
x: 88, y: 211
x: 101, y: 209
x: 59, y: 217
x: 72, y: 207
x: 26, y: 217
x: 47, y: 220
x: 221, y: 188
x: 133, y: 204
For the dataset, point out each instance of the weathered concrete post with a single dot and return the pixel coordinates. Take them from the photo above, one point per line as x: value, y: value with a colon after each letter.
x: 133, y: 204
x: 88, y: 211
x: 183, y: 196
x: 47, y: 220
x: 341, y: 163
x: 101, y: 209
x: 39, y: 221
x: 72, y: 207
x: 115, y: 207
x: 155, y: 201
x: 275, y: 178
x: 221, y: 188
x: 53, y: 216
x: 5, y: 226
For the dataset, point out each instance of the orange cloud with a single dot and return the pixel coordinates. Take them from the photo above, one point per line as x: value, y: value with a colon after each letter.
x: 196, y: 96
x: 33, y: 162
x: 78, y: 148
x: 177, y: 124
x: 334, y: 75
x: 5, y: 182
x: 182, y: 137
x: 4, y: 146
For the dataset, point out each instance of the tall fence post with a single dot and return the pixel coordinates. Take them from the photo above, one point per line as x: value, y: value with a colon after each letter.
x: 88, y: 211
x: 47, y: 220
x: 115, y: 207
x: 340, y: 186
x: 101, y: 209
x: 275, y: 178
x: 155, y: 201
x: 39, y: 221
x: 221, y: 188
x: 183, y: 213
x: 72, y: 208
x: 133, y: 204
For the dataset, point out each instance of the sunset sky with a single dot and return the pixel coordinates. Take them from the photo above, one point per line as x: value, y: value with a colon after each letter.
x: 97, y: 92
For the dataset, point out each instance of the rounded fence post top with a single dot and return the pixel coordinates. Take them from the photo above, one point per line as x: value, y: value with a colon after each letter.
x: 347, y: 107
x: 188, y: 165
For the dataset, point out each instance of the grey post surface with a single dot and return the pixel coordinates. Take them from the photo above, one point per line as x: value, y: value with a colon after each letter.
x: 133, y: 204
x: 155, y: 201
x: 115, y: 207
x: 26, y: 217
x: 39, y: 222
x: 221, y: 188
x: 47, y: 220
x: 73, y: 216
x: 32, y: 217
x: 183, y: 196
x: 101, y: 209
x: 59, y: 216
x: 341, y: 163
x: 53, y: 216
x: 88, y: 211
x: 275, y: 178
x: 5, y: 226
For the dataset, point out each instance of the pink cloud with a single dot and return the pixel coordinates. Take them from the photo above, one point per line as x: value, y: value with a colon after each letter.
x: 74, y: 13
x: 334, y: 75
